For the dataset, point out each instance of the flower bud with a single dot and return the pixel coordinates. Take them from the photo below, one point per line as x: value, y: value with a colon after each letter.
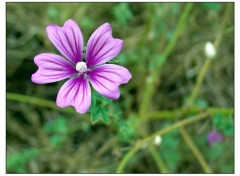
x: 210, y: 50
x: 157, y: 140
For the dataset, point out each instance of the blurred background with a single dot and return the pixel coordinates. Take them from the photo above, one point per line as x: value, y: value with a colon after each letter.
x: 173, y: 81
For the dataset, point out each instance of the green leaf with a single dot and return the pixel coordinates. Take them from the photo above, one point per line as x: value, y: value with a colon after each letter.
x: 94, y: 116
x: 223, y: 123
x: 99, y: 110
x: 100, y: 114
x: 104, y: 115
x: 127, y: 132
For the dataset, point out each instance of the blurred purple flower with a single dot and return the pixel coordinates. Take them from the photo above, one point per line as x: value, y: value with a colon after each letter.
x: 214, y: 136
x: 80, y: 67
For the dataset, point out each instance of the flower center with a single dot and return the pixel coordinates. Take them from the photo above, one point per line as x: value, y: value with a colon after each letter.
x: 81, y: 67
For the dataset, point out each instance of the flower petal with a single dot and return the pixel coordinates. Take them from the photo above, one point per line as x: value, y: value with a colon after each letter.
x: 102, y: 47
x: 75, y: 92
x: 67, y: 39
x: 106, y: 78
x: 52, y: 68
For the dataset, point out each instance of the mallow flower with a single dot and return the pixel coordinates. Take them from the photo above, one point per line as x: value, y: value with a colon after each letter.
x: 80, y: 66
x: 214, y: 136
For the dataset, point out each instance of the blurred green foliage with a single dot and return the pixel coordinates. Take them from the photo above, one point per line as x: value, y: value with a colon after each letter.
x: 215, y: 6
x: 57, y: 130
x: 224, y: 124
x: 42, y: 139
x: 171, y: 144
x: 122, y: 13
x: 16, y: 162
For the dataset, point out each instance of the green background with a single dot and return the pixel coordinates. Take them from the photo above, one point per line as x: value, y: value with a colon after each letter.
x: 164, y: 51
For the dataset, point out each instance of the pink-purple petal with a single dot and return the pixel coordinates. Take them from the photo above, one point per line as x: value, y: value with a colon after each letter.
x: 67, y: 39
x: 75, y: 92
x: 52, y: 68
x: 102, y: 47
x: 106, y: 79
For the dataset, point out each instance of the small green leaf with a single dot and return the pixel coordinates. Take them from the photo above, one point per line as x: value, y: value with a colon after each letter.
x: 99, y: 110
x: 127, y: 132
x: 95, y: 116
x: 104, y: 115
x: 223, y: 123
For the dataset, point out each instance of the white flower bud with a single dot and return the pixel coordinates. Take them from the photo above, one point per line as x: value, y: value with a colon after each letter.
x: 210, y: 50
x: 157, y: 140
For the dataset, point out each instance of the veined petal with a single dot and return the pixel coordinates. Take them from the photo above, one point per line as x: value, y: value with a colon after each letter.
x: 52, y: 68
x: 75, y: 92
x: 67, y: 39
x: 106, y: 78
x: 102, y: 47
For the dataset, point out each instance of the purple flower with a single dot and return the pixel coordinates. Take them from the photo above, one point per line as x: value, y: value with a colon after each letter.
x: 214, y: 136
x: 81, y: 68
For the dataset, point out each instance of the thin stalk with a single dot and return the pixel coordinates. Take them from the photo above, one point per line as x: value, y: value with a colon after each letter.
x: 36, y: 101
x: 152, y: 115
x: 150, y: 84
x: 207, y: 62
x: 159, y: 160
x: 138, y: 144
x: 172, y: 114
x: 194, y: 94
x: 153, y: 77
x: 153, y: 151
x: 198, y: 84
x: 195, y: 150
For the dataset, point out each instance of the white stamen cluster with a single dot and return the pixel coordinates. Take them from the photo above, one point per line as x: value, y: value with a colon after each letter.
x: 81, y: 67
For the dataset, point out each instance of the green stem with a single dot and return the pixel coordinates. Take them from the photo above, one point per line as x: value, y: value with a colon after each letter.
x: 207, y: 62
x: 193, y: 110
x: 195, y: 150
x: 152, y: 79
x: 153, y: 151
x: 137, y: 145
x: 36, y: 101
x: 159, y: 160
x: 195, y: 92
x: 126, y: 158
x: 198, y: 84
